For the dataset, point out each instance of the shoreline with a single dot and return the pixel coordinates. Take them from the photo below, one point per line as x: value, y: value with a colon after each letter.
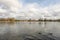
x: 29, y: 20
x: 15, y: 20
x: 12, y: 20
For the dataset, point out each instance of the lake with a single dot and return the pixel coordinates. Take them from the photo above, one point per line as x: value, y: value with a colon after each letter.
x: 16, y: 30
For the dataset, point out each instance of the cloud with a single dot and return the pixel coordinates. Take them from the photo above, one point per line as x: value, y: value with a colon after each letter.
x: 35, y: 11
x: 18, y: 10
x: 10, y: 7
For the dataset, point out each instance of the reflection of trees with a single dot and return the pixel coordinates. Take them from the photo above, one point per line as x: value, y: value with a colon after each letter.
x: 40, y: 22
x: 43, y: 26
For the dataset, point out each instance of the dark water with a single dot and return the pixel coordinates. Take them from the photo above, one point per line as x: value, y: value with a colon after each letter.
x: 23, y: 30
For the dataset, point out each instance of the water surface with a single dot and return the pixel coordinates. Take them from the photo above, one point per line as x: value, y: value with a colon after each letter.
x: 21, y: 28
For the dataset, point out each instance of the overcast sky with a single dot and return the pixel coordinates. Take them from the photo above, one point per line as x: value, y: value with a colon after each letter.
x: 30, y: 9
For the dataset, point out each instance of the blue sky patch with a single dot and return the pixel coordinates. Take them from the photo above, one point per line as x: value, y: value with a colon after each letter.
x: 42, y: 2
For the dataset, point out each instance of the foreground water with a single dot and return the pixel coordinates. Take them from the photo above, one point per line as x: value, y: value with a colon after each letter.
x: 32, y: 30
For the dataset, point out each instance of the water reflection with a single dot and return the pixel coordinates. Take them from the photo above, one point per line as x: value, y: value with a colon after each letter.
x: 20, y: 28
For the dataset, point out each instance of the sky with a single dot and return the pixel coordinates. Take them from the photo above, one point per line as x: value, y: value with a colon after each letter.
x: 30, y: 9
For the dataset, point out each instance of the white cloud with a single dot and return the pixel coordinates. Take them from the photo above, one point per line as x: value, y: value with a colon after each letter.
x: 36, y: 11
x: 13, y: 8
x: 10, y: 7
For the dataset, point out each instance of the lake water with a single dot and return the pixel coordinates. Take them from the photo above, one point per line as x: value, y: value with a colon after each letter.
x: 21, y: 28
